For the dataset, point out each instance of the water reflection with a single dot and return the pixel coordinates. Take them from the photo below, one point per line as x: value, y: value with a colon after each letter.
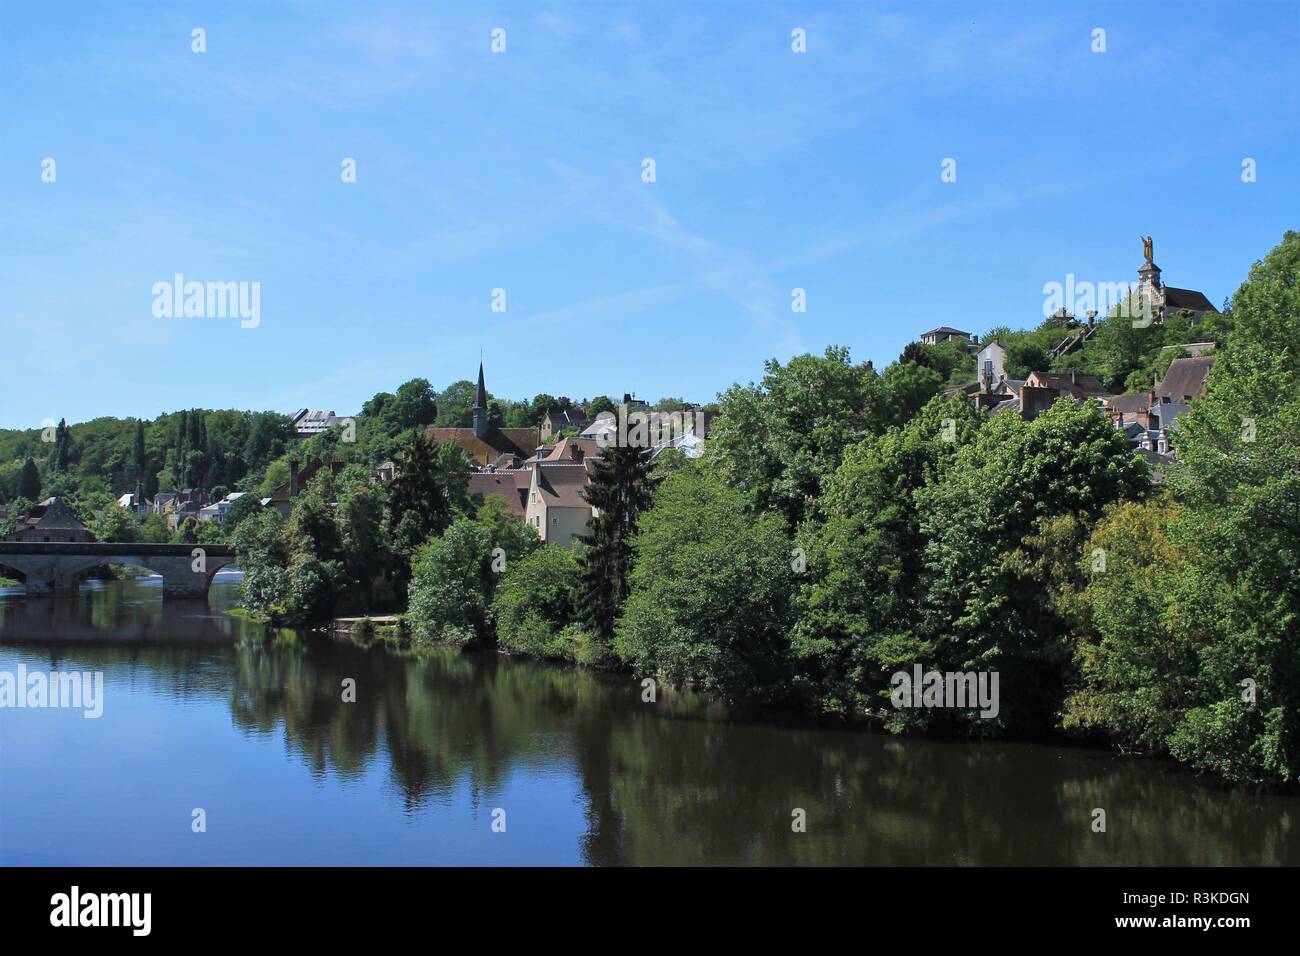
x: 676, y: 782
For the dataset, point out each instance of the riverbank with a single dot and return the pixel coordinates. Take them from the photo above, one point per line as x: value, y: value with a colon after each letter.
x: 587, y: 767
x: 395, y: 631
x: 380, y: 624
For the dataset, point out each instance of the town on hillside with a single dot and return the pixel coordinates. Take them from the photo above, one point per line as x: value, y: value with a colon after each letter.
x: 541, y: 472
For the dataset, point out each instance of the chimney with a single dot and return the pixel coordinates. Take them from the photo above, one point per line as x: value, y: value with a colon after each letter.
x: 293, y: 477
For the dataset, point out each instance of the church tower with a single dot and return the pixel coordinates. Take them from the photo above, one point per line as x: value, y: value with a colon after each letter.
x: 1149, y: 284
x: 480, y: 406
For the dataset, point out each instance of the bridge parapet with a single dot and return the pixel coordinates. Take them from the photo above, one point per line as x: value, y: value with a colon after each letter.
x: 58, y: 567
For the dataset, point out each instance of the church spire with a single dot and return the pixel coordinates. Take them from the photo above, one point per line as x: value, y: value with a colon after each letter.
x: 480, y: 406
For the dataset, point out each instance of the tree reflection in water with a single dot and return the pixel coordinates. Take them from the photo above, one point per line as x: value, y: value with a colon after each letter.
x: 676, y: 782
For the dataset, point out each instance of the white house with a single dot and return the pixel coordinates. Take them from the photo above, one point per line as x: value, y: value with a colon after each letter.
x: 217, y: 511
x: 556, y: 506
x: 989, y: 363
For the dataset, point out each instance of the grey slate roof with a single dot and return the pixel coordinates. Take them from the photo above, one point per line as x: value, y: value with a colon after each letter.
x: 1185, y: 378
x: 1187, y: 299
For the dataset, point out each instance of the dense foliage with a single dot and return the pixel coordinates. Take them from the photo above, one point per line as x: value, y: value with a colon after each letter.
x: 842, y: 526
x: 1191, y: 636
x: 619, y: 490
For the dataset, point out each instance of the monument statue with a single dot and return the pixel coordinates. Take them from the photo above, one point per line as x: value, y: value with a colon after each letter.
x: 1146, y: 248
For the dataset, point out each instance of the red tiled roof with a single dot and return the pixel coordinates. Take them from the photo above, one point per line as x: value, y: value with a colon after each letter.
x: 570, y: 448
x: 497, y: 442
x: 503, y: 485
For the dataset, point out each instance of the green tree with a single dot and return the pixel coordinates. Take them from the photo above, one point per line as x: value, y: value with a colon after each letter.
x: 139, y: 461
x: 430, y: 488
x: 1024, y: 357
x: 711, y: 590
x: 18, y: 508
x: 619, y: 490
x: 979, y: 611
x: 1122, y: 344
x: 153, y: 527
x: 187, y: 532
x: 515, y: 538
x: 904, y: 390
x: 415, y: 405
x: 241, y: 508
x: 951, y: 359
x: 1238, y: 475
x: 778, y: 439
x: 61, y: 458
x: 29, y: 481
x: 277, y: 474
x: 535, y: 601
x: 452, y: 584
x: 262, y: 554
x: 115, y: 523
x: 456, y: 405
x: 1133, y: 656
x: 864, y: 559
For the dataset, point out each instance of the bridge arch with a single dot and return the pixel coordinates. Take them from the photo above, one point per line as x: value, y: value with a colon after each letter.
x: 58, y: 568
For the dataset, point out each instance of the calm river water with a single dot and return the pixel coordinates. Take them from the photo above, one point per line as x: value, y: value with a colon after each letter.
x: 204, y: 710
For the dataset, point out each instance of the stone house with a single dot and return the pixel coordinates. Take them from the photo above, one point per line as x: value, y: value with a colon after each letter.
x: 557, y: 506
x: 51, y: 521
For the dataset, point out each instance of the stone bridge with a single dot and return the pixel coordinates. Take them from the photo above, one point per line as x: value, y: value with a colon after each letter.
x: 58, y: 568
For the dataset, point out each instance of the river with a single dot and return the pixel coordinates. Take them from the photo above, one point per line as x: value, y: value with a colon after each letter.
x: 211, y: 712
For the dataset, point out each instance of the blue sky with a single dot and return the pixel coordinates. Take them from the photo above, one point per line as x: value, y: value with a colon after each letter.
x: 522, y: 171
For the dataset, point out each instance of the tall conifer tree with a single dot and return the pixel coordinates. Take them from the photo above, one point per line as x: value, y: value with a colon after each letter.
x: 619, y: 491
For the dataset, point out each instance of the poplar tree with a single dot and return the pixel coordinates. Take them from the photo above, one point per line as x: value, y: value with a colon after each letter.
x: 137, y: 452
x: 619, y: 491
x: 29, y: 481
x: 62, y: 447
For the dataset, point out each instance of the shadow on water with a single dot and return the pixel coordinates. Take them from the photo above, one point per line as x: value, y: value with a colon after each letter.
x: 676, y: 782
